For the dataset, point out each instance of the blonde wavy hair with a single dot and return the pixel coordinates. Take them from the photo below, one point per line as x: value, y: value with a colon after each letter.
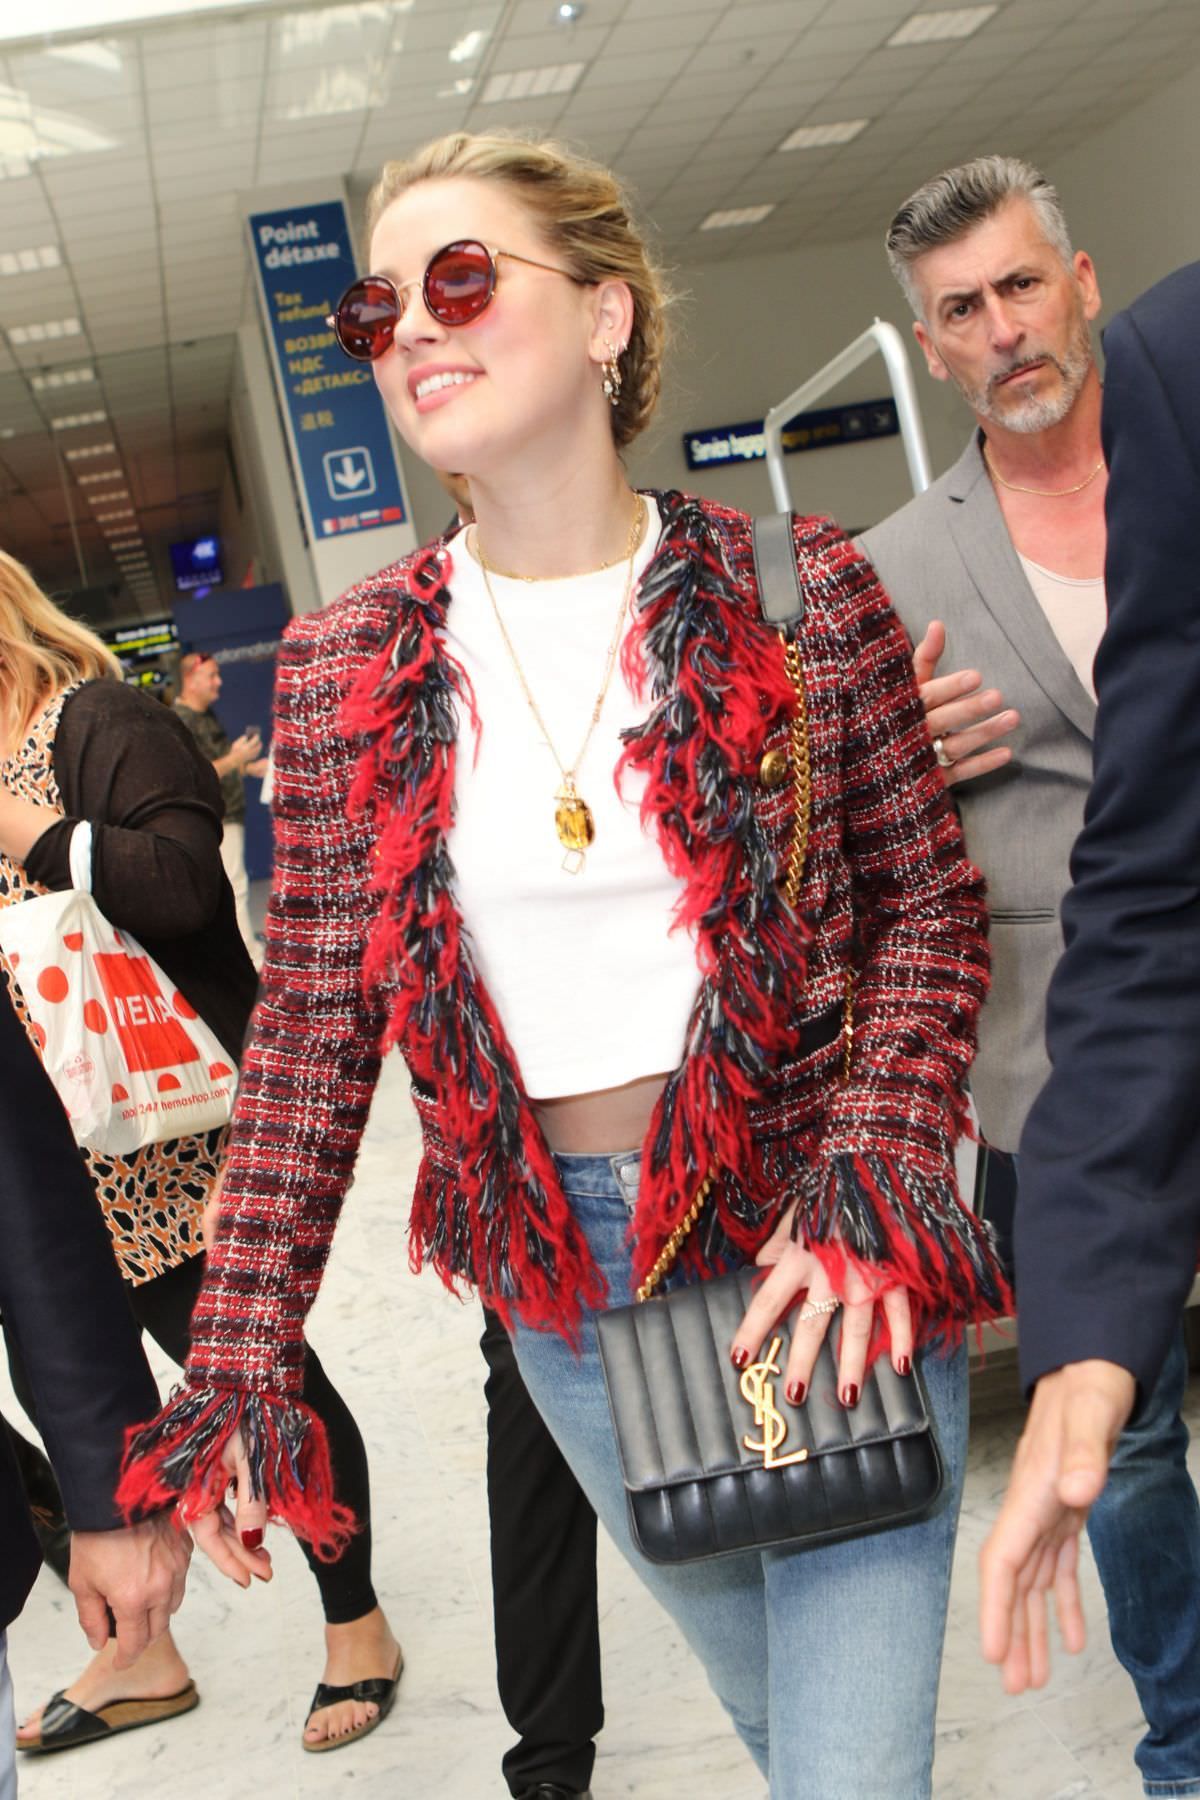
x: 42, y: 651
x: 583, y: 215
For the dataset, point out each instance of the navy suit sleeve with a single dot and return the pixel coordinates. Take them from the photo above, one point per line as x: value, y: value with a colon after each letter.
x: 61, y: 1294
x: 1109, y: 1211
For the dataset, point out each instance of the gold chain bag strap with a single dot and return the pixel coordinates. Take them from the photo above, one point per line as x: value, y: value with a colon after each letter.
x: 719, y: 1463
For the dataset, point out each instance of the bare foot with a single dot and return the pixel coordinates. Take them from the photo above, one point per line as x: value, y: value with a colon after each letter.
x: 361, y: 1651
x: 158, y: 1672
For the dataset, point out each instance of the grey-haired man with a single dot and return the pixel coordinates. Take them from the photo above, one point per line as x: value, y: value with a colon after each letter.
x: 999, y: 567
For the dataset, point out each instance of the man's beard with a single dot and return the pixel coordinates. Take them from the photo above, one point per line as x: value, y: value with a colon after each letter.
x: 1028, y: 413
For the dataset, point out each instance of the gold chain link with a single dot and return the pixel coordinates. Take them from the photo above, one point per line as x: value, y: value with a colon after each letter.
x: 671, y: 1248
x: 801, y: 776
x: 848, y: 1028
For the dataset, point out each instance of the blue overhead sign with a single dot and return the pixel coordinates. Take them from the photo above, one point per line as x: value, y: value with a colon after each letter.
x: 338, y: 427
x: 721, y: 444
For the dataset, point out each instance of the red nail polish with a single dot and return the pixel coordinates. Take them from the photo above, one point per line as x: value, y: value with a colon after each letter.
x: 252, y: 1540
x: 904, y: 1366
x: 739, y: 1356
x: 850, y: 1395
x: 795, y: 1393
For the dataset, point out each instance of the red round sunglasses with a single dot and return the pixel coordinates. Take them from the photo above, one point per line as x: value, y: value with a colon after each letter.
x: 458, y: 285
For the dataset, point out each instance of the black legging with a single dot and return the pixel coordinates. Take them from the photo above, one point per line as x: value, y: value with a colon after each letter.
x: 163, y: 1307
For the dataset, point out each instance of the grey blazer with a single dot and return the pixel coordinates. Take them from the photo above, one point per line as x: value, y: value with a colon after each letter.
x: 947, y: 555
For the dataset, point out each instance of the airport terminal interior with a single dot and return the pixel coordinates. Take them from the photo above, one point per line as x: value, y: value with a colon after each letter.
x: 186, y: 460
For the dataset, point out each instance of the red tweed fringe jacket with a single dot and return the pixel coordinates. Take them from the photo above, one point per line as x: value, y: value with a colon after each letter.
x: 366, y: 948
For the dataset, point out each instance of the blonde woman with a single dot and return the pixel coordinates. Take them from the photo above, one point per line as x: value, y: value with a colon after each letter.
x: 80, y: 745
x: 530, y: 829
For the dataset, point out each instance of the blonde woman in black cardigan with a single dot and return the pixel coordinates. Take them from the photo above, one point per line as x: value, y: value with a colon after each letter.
x: 77, y: 744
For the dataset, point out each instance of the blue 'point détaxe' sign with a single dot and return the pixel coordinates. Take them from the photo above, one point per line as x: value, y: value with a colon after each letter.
x: 339, y: 429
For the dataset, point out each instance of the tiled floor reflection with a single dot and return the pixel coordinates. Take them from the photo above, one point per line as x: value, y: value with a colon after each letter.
x: 404, y: 1354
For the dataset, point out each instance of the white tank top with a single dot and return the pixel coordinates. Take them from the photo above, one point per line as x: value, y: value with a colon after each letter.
x: 1077, y: 612
x: 593, y: 987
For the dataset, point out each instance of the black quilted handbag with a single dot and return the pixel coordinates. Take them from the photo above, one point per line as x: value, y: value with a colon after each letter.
x: 716, y: 1461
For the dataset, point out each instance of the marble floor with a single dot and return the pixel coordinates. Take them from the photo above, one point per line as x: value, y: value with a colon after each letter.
x: 404, y: 1354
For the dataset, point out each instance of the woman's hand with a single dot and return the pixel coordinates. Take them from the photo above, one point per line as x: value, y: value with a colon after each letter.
x: 234, y: 1541
x: 796, y: 1270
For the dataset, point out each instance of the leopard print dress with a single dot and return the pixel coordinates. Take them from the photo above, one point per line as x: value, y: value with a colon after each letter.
x: 152, y: 1200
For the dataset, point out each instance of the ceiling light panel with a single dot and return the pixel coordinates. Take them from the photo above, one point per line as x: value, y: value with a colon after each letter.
x: 82, y: 450
x: 934, y: 27
x: 96, y: 474
x: 70, y: 421
x: 737, y: 215
x: 57, y: 16
x: 59, y: 378
x: 819, y: 137
x: 532, y: 84
x: 44, y: 331
x: 28, y: 262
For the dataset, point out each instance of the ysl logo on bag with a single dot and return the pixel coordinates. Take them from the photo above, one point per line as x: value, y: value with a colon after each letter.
x: 767, y: 1417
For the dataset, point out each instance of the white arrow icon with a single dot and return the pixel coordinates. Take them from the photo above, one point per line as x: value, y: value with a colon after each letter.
x: 349, y: 471
x: 350, y: 477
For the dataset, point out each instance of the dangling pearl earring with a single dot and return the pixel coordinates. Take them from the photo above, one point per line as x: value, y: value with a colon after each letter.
x: 612, y: 373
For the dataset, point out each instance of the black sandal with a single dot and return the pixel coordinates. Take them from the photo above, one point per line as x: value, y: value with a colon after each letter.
x: 378, y: 1690
x: 65, y: 1725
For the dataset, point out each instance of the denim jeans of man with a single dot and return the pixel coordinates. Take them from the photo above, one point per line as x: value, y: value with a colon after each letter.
x: 1145, y: 1537
x: 8, y: 1727
x: 826, y: 1660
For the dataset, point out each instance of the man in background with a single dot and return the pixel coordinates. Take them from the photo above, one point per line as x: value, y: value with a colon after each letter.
x: 1000, y: 566
x: 233, y: 759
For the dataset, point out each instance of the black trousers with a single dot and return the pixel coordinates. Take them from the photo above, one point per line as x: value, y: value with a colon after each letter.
x: 163, y: 1307
x: 543, y: 1585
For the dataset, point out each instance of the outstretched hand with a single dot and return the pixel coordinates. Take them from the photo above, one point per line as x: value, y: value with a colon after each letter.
x: 964, y: 717
x: 1061, y: 1465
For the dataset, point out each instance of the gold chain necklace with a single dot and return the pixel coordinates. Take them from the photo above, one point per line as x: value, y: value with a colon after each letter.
x: 573, y: 819
x: 1041, y: 493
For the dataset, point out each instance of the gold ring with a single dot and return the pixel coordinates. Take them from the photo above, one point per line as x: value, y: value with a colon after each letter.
x: 939, y: 750
x: 816, y: 1309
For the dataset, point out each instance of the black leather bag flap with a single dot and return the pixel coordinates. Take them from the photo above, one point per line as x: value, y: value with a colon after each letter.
x: 677, y: 1403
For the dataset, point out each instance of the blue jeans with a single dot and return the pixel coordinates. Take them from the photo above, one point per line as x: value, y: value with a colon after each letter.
x: 1145, y: 1536
x: 827, y: 1661
x: 1145, y: 1533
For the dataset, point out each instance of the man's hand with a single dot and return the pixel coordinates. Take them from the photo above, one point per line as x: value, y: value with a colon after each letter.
x: 964, y: 716
x: 246, y: 749
x: 138, y: 1574
x: 1061, y: 1465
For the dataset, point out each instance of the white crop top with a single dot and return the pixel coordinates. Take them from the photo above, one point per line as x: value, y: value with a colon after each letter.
x: 592, y: 986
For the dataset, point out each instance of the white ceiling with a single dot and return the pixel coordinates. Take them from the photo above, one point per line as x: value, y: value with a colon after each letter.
x: 131, y: 153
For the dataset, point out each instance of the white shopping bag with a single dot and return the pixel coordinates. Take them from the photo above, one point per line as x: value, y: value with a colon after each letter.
x: 131, y: 1060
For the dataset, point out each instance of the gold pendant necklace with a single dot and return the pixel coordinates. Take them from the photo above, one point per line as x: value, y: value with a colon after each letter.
x: 1041, y: 493
x: 573, y: 818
